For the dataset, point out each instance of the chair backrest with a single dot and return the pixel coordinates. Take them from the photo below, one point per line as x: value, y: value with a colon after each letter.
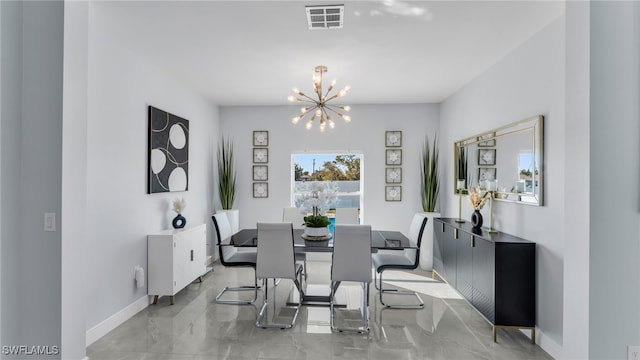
x: 223, y: 231
x: 347, y: 216
x: 416, y: 229
x: 275, y: 251
x: 351, y: 253
x: 293, y: 215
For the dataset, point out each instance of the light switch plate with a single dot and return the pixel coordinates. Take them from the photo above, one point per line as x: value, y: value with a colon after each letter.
x: 49, y: 221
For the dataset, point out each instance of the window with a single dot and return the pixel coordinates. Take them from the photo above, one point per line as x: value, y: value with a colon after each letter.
x: 339, y: 172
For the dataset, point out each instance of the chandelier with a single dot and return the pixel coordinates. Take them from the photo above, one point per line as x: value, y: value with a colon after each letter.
x: 319, y: 107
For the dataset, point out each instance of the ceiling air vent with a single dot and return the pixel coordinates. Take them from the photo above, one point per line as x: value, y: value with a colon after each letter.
x: 325, y: 16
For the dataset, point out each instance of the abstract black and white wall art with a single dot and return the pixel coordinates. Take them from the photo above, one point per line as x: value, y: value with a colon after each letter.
x: 168, y: 156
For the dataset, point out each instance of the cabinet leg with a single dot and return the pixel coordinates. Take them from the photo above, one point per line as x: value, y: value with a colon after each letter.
x: 155, y: 300
x: 200, y: 277
x: 171, y: 299
x: 533, y: 335
x: 495, y: 334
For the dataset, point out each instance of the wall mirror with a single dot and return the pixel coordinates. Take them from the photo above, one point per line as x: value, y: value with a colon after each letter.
x: 511, y: 154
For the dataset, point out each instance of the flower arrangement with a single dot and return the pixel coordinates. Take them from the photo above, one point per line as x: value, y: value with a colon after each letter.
x: 179, y: 205
x: 316, y: 198
x: 477, y: 197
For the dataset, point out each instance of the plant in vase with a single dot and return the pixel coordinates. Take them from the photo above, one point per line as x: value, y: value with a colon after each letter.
x: 178, y: 206
x: 315, y: 198
x: 227, y: 182
x: 429, y: 190
x: 477, y: 198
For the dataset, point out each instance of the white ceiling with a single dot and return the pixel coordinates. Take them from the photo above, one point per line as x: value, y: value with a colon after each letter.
x: 389, y: 51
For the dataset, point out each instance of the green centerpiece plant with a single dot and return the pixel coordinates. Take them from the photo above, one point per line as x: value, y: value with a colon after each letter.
x: 226, y: 174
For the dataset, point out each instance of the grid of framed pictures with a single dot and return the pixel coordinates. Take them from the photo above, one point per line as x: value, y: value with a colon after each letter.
x: 487, y: 156
x: 260, y: 171
x: 393, y: 162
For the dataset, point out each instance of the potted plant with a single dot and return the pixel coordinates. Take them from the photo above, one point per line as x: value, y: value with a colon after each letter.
x: 227, y: 181
x: 319, y: 197
x: 429, y: 190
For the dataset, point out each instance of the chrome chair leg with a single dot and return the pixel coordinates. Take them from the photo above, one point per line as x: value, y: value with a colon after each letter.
x: 265, y: 303
x: 382, y: 290
x: 253, y: 288
x: 364, y: 311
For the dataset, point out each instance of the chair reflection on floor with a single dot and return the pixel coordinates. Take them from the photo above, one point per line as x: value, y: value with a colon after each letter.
x: 407, y: 259
x: 351, y: 262
x: 276, y: 261
x: 231, y: 257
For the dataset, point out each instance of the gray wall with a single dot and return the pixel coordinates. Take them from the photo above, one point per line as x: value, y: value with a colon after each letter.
x: 527, y: 82
x: 31, y: 128
x: 614, y: 284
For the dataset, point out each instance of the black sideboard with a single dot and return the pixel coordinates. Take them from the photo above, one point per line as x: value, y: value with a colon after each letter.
x: 495, y: 272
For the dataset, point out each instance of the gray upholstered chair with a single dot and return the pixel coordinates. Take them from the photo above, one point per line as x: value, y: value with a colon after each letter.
x: 231, y: 257
x: 407, y: 259
x: 351, y: 262
x: 348, y: 216
x: 276, y: 261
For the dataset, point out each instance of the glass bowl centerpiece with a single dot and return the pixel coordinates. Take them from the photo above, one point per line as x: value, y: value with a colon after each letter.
x: 315, y: 199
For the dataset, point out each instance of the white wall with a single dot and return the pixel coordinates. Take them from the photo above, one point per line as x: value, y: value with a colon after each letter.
x: 119, y: 213
x: 614, y: 314
x: 74, y: 180
x: 32, y: 40
x: 528, y: 82
x: 364, y: 134
x: 576, y: 193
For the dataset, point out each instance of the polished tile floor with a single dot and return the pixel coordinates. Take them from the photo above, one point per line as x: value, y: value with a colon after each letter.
x: 195, y: 327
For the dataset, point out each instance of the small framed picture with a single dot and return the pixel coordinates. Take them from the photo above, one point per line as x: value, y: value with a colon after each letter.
x: 260, y: 155
x: 260, y: 173
x: 393, y: 157
x: 393, y: 138
x: 488, y: 173
x: 486, y: 156
x: 393, y: 193
x: 260, y: 189
x: 260, y: 138
x: 393, y: 175
x: 490, y: 140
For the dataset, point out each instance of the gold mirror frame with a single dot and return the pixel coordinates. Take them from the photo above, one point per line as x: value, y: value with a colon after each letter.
x: 512, y: 153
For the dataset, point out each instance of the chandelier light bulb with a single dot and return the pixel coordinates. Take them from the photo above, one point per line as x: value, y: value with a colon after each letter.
x: 320, y: 102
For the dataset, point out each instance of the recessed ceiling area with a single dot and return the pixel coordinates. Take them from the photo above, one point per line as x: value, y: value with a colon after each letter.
x: 254, y: 52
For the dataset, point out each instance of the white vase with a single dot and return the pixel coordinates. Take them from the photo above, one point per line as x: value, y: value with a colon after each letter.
x: 316, y: 231
x: 426, y: 247
x: 234, y: 218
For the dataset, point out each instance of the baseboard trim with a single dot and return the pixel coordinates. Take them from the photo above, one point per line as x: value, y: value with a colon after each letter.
x: 116, y: 319
x: 546, y: 343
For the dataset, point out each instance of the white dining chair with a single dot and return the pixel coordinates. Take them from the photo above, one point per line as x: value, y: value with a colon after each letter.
x: 348, y: 216
x: 295, y: 216
x: 276, y: 261
x: 407, y: 259
x: 231, y: 257
x: 351, y: 262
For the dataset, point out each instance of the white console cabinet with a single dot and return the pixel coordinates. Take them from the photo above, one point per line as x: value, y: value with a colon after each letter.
x: 176, y: 258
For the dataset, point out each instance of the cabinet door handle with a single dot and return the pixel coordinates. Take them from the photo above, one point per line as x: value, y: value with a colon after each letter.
x: 191, y: 255
x: 455, y: 233
x: 442, y: 227
x: 473, y: 241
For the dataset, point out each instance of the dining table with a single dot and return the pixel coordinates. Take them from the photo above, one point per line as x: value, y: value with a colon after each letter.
x: 319, y: 294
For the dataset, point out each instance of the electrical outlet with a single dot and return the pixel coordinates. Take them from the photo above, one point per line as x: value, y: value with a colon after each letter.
x: 633, y: 352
